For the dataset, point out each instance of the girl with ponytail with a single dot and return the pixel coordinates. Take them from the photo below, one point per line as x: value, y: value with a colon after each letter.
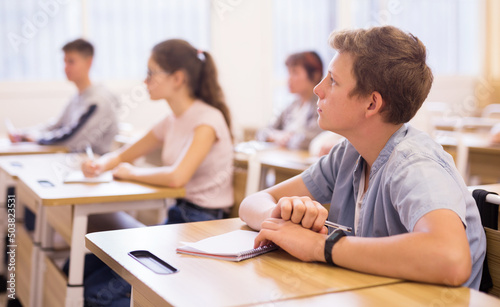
x: 197, y: 151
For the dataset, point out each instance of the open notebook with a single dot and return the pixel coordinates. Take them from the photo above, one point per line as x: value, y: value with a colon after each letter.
x: 233, y: 246
x: 78, y: 177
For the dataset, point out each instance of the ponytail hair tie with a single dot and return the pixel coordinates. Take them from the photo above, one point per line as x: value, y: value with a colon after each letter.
x: 201, y: 55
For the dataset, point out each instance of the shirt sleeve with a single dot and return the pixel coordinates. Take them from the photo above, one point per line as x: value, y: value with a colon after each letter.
x: 214, y: 119
x: 301, y: 140
x: 420, y: 184
x: 159, y: 130
x: 64, y: 133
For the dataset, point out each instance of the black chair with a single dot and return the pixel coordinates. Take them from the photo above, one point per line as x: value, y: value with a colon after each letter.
x: 488, y: 203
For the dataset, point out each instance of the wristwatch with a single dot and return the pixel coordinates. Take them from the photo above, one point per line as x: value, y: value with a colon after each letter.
x: 330, y: 241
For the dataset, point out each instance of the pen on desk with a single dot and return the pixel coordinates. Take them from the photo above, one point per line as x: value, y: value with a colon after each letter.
x: 335, y: 225
x: 89, y: 152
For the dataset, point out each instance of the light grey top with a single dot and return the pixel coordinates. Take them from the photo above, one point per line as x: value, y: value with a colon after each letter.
x: 88, y: 118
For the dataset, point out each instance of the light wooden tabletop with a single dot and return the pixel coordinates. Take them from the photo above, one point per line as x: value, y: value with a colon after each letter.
x: 202, y: 281
x: 27, y: 148
x: 283, y: 159
x: 488, y: 187
x: 401, y: 294
x: 478, y: 141
x: 44, y: 175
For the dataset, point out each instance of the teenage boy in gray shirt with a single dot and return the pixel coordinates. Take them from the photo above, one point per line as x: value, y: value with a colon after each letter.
x: 89, y: 118
x: 411, y: 214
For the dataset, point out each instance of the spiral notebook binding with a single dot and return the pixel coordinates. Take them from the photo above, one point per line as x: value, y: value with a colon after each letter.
x: 257, y: 251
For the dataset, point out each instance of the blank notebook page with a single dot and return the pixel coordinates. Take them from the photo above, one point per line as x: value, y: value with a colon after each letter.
x: 78, y: 177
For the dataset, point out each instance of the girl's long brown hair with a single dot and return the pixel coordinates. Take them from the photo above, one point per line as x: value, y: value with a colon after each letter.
x: 176, y: 54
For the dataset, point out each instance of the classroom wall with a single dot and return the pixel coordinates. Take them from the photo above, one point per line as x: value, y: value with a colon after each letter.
x: 241, y: 44
x: 32, y: 103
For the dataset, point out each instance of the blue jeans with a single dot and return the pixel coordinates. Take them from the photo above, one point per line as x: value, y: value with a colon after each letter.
x: 185, y: 212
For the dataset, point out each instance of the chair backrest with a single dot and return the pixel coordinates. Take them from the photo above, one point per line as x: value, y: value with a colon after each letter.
x: 493, y: 256
x: 488, y: 205
x: 239, y: 188
x: 491, y: 111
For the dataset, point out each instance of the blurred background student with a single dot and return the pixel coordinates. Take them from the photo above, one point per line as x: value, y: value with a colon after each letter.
x: 196, y: 142
x: 89, y: 118
x: 197, y: 150
x: 297, y: 125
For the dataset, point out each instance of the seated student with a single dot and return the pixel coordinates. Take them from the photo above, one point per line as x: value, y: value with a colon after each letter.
x: 197, y: 151
x: 323, y: 143
x: 298, y: 123
x: 411, y: 213
x: 89, y: 118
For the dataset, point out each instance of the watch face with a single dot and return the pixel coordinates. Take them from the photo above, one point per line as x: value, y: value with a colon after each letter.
x: 336, y: 233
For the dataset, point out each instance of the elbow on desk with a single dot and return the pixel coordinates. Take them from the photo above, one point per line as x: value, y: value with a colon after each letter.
x: 243, y: 210
x: 456, y: 268
x: 249, y: 214
x: 177, y: 180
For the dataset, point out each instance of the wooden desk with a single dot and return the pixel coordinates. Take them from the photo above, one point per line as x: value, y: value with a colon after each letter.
x: 283, y: 163
x: 465, y: 124
x: 401, y: 294
x: 8, y: 179
x: 27, y: 148
x: 202, y: 281
x: 473, y: 154
x: 65, y: 208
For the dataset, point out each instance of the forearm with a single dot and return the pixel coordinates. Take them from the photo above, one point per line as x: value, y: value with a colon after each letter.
x: 255, y: 208
x: 414, y: 256
x: 108, y: 161
x: 160, y: 176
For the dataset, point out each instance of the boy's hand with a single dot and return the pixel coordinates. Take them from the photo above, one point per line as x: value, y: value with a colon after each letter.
x: 302, y: 210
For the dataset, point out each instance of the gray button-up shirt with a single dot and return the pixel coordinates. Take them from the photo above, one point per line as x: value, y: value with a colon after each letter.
x: 412, y: 176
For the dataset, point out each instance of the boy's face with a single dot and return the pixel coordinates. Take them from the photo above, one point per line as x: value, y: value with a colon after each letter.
x: 338, y: 111
x: 76, y: 65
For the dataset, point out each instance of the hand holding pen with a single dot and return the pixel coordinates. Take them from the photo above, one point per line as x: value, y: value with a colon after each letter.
x: 90, y: 167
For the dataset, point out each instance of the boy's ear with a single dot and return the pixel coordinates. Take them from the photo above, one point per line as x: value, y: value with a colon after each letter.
x: 375, y: 103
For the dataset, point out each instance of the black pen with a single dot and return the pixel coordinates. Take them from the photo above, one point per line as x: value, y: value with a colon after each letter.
x: 335, y: 225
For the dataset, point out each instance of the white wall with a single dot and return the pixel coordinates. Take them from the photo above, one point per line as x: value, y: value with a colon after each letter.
x: 242, y: 48
x: 241, y: 44
x: 31, y: 103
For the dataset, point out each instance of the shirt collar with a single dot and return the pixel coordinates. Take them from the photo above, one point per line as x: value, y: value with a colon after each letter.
x: 386, y: 152
x: 382, y: 158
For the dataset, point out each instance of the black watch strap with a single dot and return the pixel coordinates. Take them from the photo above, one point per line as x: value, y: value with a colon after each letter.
x: 330, y: 241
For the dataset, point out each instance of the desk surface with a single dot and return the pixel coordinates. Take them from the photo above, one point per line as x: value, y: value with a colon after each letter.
x: 474, y: 141
x: 401, y: 294
x: 54, y: 168
x: 281, y: 158
x: 298, y: 160
x: 487, y: 187
x: 24, y: 148
x: 200, y: 281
